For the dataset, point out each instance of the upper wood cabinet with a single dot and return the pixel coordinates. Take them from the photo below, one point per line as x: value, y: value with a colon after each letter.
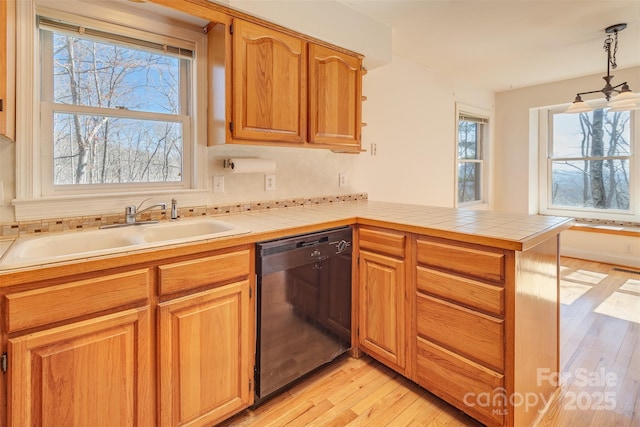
x: 269, y: 97
x: 335, y: 97
x: 7, y: 69
x: 287, y: 90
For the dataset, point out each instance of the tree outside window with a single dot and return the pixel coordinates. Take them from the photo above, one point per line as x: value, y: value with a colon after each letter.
x: 117, y: 108
x: 589, y: 161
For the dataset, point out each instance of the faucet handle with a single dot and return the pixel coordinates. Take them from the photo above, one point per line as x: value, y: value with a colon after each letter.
x: 130, y: 214
x: 174, y: 209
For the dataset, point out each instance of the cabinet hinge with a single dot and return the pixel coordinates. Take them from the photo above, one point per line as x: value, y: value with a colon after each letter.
x: 231, y: 29
x: 4, y: 362
x: 231, y: 126
x: 250, y: 385
x: 250, y: 292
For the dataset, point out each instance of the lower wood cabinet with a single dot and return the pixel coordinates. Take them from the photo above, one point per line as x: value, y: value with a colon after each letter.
x: 382, y: 310
x: 460, y: 344
x: 204, y: 356
x: 89, y: 373
x: 167, y: 342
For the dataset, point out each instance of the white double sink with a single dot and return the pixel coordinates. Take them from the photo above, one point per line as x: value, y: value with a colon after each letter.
x: 46, y: 249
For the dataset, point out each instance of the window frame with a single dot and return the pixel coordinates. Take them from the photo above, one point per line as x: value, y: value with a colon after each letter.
x: 485, y: 117
x: 34, y: 199
x: 545, y: 132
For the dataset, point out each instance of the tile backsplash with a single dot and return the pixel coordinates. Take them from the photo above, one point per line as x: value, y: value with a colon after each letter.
x: 15, y: 229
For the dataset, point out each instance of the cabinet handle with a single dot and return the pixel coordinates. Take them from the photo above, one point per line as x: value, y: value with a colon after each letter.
x: 1, y: 104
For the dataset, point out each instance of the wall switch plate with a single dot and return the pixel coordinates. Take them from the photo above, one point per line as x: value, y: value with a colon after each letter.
x: 269, y: 182
x: 218, y: 184
x: 342, y: 179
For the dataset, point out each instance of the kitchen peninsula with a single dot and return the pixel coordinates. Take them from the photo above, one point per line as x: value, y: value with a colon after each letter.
x: 453, y: 299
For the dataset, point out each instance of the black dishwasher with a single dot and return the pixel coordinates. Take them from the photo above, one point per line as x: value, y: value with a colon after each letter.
x: 303, y: 306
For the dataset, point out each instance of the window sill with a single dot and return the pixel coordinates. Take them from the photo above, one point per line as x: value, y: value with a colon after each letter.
x: 607, y: 229
x: 95, y: 204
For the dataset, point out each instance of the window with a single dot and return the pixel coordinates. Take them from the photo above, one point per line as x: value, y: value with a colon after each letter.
x: 471, y: 141
x: 115, y: 110
x: 113, y: 107
x: 590, y: 166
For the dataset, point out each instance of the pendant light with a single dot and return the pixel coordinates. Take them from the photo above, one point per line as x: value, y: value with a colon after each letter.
x: 620, y: 96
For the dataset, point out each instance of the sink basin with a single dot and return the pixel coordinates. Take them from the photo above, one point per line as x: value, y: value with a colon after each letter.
x: 58, y: 247
x: 189, y: 230
x: 46, y: 249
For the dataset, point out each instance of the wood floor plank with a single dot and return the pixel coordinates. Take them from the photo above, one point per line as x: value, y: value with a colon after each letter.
x: 362, y: 392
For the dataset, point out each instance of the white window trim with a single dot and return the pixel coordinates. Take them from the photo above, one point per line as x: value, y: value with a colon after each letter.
x: 30, y: 202
x: 544, y: 171
x: 487, y: 156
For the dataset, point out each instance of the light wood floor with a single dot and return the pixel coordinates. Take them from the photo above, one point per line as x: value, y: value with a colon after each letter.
x: 600, y: 329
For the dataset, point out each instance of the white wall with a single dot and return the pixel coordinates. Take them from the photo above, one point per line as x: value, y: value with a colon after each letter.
x: 410, y: 116
x: 516, y: 161
x: 299, y: 173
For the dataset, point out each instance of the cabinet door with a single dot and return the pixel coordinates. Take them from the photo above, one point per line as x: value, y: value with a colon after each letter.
x: 382, y: 308
x: 7, y: 64
x: 335, y: 97
x: 269, y: 85
x: 204, y: 352
x: 91, y: 373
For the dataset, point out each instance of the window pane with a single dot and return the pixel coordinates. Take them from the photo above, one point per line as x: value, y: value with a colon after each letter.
x: 102, y: 74
x: 596, y: 133
x: 469, y: 140
x: 92, y: 149
x: 469, y: 182
x: 600, y: 184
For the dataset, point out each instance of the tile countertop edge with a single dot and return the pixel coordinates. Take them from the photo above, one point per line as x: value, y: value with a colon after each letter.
x: 332, y: 216
x: 497, y: 242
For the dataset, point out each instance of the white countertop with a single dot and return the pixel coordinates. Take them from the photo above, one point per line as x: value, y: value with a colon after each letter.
x: 500, y: 229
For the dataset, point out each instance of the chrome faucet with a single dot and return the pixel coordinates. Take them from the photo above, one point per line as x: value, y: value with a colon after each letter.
x: 131, y: 211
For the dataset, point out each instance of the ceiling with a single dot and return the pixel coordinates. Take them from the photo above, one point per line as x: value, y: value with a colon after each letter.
x: 507, y: 44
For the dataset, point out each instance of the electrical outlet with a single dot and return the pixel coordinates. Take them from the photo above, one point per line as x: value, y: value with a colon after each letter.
x: 218, y: 184
x: 374, y: 149
x: 628, y: 248
x: 269, y: 182
x: 342, y: 179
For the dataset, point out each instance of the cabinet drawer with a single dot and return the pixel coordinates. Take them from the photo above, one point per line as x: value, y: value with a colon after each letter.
x: 383, y: 242
x: 481, y: 263
x: 475, y: 335
x: 192, y: 274
x: 477, y: 295
x: 471, y: 387
x: 52, y: 304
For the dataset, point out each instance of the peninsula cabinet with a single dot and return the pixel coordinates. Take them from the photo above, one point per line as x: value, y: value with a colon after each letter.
x: 383, y: 306
x: 486, y: 324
